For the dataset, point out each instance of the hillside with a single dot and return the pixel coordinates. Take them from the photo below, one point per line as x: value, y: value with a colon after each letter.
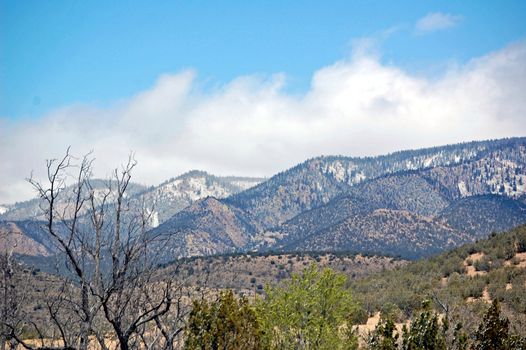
x: 481, y: 215
x: 25, y: 237
x: 465, y: 279
x: 385, y: 231
x: 249, y: 273
x: 206, y: 227
x: 245, y: 274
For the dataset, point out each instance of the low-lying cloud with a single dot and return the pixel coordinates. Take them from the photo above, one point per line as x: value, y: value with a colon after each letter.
x: 252, y: 126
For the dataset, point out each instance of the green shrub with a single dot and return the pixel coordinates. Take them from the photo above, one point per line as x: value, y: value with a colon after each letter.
x: 226, y: 323
x: 310, y: 311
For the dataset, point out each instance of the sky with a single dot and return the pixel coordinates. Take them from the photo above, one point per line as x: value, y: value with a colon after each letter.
x: 251, y: 87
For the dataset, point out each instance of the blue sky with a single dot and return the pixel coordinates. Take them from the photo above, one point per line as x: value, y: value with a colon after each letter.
x: 57, y: 53
x: 251, y: 87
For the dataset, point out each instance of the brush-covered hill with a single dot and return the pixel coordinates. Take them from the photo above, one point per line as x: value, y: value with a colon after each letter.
x: 465, y: 280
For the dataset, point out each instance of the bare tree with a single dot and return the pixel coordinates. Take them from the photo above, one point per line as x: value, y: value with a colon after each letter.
x: 112, y: 288
x: 9, y: 299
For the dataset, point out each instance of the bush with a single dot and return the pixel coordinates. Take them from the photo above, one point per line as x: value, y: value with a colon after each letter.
x: 311, y: 311
x: 482, y: 265
x: 226, y: 323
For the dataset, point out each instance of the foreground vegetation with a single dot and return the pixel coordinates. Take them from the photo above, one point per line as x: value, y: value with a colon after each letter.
x: 316, y: 311
x: 472, y: 297
x: 469, y: 298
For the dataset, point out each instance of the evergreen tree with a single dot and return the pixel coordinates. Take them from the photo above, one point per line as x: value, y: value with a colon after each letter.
x: 384, y: 336
x: 460, y: 338
x: 425, y: 332
x: 492, y: 333
x: 226, y: 323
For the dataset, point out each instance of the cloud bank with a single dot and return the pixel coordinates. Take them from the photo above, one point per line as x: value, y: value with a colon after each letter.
x: 252, y: 126
x: 436, y: 21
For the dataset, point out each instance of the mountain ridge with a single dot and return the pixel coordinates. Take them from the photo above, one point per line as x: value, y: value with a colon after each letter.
x: 407, y: 188
x: 424, y: 182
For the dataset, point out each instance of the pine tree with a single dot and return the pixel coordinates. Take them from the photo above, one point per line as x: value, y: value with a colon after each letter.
x: 492, y: 333
x: 384, y: 336
x: 425, y: 332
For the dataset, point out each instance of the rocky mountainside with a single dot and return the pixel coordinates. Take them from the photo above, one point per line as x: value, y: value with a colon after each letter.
x: 206, y: 227
x: 395, y: 204
x: 173, y: 195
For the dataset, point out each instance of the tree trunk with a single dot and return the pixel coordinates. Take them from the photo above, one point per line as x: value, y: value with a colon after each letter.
x: 86, y: 319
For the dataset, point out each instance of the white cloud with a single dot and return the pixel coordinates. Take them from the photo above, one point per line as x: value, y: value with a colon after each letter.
x: 250, y: 126
x: 436, y: 21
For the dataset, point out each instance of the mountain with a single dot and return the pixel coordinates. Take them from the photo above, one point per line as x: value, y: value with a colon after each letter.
x: 336, y: 203
x: 206, y: 227
x: 317, y: 181
x: 167, y: 198
x: 21, y: 223
x: 32, y: 209
x: 484, y: 214
x: 26, y: 237
x: 410, y: 203
x: 177, y: 193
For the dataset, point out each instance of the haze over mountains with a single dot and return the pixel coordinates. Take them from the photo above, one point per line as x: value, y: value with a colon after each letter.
x: 410, y: 203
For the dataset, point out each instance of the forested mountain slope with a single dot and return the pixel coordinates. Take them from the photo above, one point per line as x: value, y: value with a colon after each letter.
x: 393, y: 204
